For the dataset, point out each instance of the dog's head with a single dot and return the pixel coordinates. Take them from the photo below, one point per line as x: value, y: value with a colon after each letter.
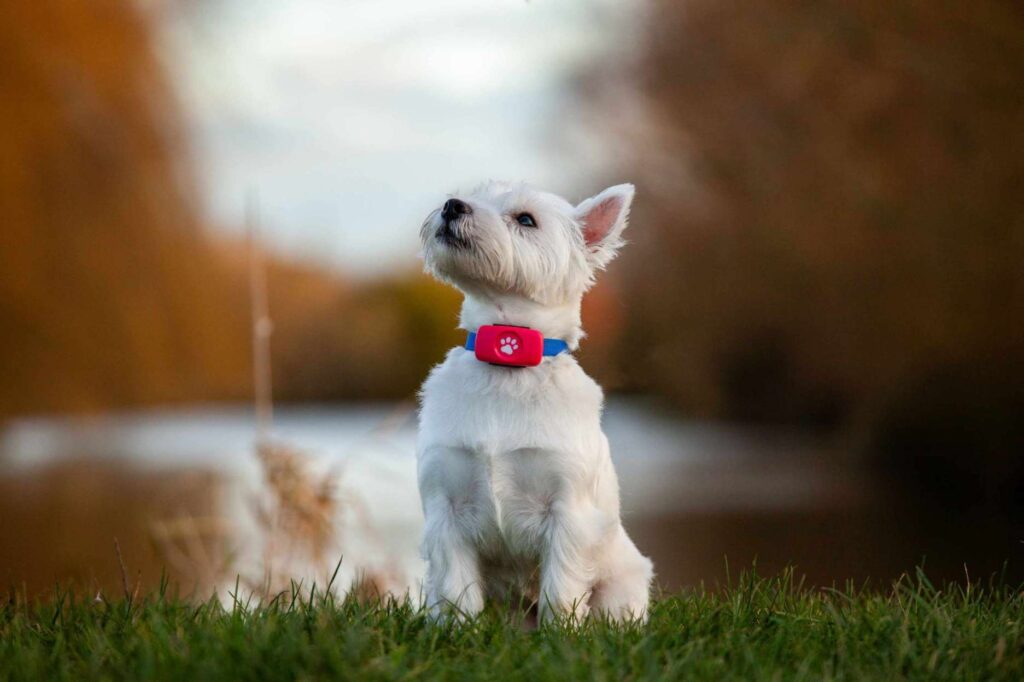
x: 513, y: 239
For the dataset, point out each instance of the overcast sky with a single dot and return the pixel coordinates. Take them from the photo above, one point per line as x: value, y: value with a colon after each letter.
x: 354, y: 118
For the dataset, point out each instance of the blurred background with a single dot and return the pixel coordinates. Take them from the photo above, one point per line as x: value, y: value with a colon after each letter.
x: 813, y: 345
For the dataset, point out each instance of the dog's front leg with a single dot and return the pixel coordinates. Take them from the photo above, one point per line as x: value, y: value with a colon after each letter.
x: 457, y: 514
x: 453, y: 580
x: 566, y: 575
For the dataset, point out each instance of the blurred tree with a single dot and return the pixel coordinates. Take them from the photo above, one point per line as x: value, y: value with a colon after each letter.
x: 108, y: 291
x: 111, y: 293
x: 830, y: 201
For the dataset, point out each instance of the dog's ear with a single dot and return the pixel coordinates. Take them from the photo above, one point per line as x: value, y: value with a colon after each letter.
x: 603, y: 217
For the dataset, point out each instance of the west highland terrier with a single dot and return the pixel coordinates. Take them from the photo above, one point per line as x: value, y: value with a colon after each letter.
x: 515, y: 477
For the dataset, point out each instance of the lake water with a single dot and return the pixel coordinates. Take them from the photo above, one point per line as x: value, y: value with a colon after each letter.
x: 695, y: 495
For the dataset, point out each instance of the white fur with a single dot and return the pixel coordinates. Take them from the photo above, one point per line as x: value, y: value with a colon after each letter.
x: 515, y: 476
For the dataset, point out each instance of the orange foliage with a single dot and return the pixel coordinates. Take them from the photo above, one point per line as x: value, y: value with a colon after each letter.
x: 111, y: 293
x: 105, y: 278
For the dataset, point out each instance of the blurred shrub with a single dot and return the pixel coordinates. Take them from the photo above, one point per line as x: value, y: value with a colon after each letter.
x: 830, y: 201
x: 376, y: 341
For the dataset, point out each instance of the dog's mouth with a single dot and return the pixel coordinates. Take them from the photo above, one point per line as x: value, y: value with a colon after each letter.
x: 449, y: 237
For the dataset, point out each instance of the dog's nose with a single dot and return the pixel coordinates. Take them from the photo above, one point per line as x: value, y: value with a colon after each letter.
x: 453, y: 208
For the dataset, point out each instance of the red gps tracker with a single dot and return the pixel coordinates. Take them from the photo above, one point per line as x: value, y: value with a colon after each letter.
x: 501, y: 344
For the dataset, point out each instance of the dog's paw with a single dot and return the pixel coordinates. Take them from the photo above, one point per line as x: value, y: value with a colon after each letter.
x: 509, y: 345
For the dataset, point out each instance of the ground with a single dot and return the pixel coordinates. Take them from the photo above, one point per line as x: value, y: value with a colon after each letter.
x: 759, y: 628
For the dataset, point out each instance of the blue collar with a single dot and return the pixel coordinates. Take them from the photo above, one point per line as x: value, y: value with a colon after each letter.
x: 552, y: 347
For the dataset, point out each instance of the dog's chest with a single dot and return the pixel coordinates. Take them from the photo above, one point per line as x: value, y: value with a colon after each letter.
x: 506, y: 445
x: 468, y: 404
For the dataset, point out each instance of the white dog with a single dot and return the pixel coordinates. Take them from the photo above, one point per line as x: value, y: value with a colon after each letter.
x: 515, y: 477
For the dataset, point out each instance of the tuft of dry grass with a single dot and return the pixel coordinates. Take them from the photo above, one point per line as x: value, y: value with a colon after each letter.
x: 297, y: 513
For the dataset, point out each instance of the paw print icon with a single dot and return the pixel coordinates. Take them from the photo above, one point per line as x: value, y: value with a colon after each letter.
x: 509, y: 344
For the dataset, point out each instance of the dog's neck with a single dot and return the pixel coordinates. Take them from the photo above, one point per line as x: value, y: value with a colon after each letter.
x: 554, y: 322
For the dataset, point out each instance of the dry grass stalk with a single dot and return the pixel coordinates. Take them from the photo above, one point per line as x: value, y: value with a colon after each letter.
x: 194, y: 547
x: 376, y: 585
x: 301, y: 508
x: 298, y: 513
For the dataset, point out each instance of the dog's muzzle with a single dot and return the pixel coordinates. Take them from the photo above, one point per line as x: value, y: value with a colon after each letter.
x: 448, y: 235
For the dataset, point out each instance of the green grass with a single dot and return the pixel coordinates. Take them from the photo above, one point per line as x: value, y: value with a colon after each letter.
x: 760, y: 628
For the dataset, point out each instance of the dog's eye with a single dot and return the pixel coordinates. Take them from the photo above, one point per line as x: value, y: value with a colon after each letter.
x: 526, y: 220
